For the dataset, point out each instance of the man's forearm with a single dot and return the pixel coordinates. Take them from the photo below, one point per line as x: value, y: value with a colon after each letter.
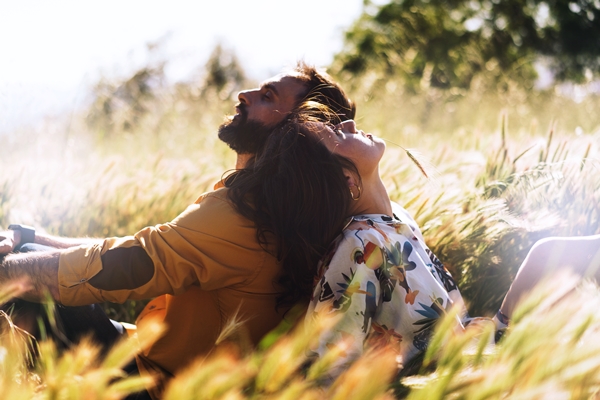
x: 38, y: 271
x: 61, y: 242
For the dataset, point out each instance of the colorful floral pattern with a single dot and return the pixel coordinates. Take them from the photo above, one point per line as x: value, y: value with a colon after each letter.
x: 389, y: 288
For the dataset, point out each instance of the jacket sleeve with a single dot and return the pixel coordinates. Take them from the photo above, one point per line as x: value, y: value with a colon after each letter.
x: 209, y: 245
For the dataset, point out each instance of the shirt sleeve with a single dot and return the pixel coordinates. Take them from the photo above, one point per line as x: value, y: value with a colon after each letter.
x: 350, y: 292
x: 209, y: 244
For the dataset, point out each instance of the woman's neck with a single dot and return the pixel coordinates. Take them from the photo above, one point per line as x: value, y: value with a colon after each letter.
x: 374, y: 198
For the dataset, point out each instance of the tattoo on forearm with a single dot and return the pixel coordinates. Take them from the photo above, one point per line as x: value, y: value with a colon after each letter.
x: 37, y: 270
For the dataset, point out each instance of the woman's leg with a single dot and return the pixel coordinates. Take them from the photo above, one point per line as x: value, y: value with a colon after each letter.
x: 577, y: 255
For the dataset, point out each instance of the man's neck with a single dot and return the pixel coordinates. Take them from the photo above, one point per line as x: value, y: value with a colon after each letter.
x: 242, y: 160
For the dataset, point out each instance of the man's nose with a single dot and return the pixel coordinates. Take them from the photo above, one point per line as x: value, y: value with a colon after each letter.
x: 348, y: 126
x: 244, y: 96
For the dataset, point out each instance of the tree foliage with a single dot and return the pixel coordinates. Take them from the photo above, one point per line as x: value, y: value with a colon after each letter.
x: 124, y: 103
x: 224, y: 73
x: 121, y: 104
x: 448, y: 43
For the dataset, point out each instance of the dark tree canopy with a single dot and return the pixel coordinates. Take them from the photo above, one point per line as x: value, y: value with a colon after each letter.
x: 447, y: 43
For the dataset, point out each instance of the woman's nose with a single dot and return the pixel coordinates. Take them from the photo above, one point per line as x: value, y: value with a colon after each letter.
x: 348, y: 126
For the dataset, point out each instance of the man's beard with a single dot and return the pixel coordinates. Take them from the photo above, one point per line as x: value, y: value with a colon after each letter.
x: 243, y: 136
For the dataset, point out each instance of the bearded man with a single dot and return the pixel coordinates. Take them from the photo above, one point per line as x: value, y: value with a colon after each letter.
x: 213, y: 263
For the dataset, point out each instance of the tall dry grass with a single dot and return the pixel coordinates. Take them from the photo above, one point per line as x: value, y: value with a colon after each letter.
x: 505, y: 171
x: 550, y: 351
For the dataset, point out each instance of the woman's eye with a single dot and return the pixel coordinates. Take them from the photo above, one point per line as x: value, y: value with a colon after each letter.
x: 334, y: 129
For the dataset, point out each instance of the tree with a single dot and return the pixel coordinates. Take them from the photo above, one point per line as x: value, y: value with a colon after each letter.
x: 447, y: 43
x: 224, y: 74
x: 122, y: 103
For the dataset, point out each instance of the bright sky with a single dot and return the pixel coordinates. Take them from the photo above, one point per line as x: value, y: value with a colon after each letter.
x: 51, y: 51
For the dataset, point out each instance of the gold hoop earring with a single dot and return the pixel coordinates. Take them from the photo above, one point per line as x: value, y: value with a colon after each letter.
x: 352, y: 193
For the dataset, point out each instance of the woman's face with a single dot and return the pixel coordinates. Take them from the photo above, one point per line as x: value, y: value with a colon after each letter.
x: 365, y: 150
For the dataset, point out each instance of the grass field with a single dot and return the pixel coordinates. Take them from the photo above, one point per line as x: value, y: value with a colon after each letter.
x: 504, y: 171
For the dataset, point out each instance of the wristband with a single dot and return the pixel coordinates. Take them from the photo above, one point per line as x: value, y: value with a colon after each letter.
x: 27, y: 232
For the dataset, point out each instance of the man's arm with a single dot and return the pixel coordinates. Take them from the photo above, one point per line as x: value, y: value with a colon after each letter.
x: 9, y: 240
x: 37, y: 271
x: 62, y: 242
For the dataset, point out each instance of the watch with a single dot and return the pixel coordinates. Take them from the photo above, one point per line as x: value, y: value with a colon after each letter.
x: 27, y: 232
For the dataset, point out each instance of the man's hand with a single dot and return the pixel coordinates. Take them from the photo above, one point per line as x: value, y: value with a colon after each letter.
x: 9, y: 240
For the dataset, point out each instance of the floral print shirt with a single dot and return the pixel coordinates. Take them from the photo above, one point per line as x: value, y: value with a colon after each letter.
x: 388, y: 286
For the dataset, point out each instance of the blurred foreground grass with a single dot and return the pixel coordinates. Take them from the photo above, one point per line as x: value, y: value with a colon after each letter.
x: 495, y: 188
x: 551, y: 351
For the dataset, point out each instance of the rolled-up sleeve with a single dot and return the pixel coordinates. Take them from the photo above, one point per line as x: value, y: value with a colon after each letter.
x: 209, y: 245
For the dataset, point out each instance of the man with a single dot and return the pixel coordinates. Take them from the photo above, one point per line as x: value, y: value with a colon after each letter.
x: 208, y: 266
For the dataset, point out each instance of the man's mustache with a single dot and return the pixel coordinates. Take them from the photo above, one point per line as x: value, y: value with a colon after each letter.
x: 242, y: 110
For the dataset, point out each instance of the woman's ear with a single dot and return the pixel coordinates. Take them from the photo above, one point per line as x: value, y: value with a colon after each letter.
x: 350, y: 178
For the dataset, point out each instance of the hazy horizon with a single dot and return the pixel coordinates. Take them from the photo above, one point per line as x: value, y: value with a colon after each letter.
x: 54, y: 52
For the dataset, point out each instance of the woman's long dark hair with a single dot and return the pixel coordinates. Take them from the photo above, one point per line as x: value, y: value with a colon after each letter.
x: 297, y: 194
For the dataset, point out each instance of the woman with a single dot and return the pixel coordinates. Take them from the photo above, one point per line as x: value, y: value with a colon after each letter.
x: 381, y: 276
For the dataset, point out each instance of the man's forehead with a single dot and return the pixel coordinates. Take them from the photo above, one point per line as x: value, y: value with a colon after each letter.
x: 284, y: 84
x: 282, y: 76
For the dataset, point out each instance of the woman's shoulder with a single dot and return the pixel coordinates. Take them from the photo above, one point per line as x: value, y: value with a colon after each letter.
x: 404, y: 216
x: 370, y: 228
x: 360, y: 231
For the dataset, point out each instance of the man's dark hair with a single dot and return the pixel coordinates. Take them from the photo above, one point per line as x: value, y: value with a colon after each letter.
x: 296, y: 193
